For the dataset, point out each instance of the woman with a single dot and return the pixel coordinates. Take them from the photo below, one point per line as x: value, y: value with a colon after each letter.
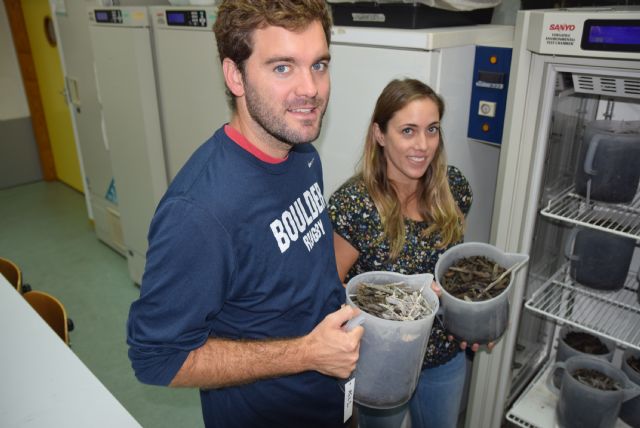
x: 402, y: 210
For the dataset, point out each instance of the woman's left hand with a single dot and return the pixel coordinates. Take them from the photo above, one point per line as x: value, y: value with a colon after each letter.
x: 475, y: 347
x: 463, y: 345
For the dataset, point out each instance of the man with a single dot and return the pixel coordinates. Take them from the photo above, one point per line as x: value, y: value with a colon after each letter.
x: 240, y: 295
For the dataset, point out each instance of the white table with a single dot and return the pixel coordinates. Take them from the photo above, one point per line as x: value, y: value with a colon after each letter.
x: 42, y: 382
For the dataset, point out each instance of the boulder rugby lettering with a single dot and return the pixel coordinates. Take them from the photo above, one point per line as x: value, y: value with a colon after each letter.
x: 300, y: 220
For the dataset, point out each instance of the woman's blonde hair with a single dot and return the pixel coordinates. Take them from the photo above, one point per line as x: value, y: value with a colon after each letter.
x: 434, y: 199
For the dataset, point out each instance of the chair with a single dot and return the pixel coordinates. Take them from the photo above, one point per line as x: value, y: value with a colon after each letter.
x: 12, y: 272
x: 52, y: 311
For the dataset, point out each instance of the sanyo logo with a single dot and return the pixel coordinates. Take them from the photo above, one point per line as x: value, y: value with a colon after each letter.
x: 562, y: 27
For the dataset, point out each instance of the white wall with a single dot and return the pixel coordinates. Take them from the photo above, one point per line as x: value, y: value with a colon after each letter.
x: 505, y: 13
x: 13, y: 101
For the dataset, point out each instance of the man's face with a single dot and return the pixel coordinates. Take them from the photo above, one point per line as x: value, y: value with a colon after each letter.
x: 286, y: 82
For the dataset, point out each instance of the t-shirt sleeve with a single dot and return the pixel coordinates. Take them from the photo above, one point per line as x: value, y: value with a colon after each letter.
x: 460, y: 189
x: 189, y: 266
x: 345, y: 211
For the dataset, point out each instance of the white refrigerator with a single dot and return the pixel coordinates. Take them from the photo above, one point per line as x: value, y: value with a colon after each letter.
x: 191, y: 88
x: 571, y: 69
x: 131, y: 125
x: 365, y: 59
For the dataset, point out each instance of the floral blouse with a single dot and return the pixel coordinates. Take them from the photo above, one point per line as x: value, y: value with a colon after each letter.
x: 355, y: 218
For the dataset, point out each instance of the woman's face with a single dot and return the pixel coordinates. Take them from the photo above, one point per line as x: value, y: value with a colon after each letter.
x: 411, y: 141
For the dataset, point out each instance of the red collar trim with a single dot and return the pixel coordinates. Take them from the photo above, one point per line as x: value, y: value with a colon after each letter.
x: 240, y: 140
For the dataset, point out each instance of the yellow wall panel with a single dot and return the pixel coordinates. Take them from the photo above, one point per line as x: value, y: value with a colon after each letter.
x: 51, y: 81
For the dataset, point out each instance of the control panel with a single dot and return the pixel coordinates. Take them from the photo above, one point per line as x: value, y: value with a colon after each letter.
x: 118, y: 16
x: 186, y: 18
x: 110, y: 16
x: 489, y: 93
x: 177, y: 18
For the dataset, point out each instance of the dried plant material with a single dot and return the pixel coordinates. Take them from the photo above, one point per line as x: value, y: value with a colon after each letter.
x: 393, y: 301
x: 634, y: 363
x: 472, y: 279
x: 595, y: 379
x: 585, y: 342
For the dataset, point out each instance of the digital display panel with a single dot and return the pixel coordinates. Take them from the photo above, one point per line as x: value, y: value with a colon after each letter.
x: 103, y: 16
x: 611, y: 35
x: 490, y: 76
x: 109, y: 16
x: 176, y: 18
x: 186, y: 18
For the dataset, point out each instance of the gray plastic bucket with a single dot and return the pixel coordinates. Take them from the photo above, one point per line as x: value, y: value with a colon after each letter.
x: 630, y: 411
x: 583, y: 406
x: 477, y: 322
x: 391, y: 352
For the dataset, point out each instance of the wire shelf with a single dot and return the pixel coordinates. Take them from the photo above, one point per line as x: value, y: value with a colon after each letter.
x: 614, y: 315
x: 620, y: 219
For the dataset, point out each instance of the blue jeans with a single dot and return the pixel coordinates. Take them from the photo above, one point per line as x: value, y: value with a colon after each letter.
x: 435, y: 402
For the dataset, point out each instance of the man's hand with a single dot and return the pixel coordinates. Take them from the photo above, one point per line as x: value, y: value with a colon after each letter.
x: 330, y: 349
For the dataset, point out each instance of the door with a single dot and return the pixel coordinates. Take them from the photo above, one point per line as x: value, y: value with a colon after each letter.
x: 37, y: 16
x: 539, y: 208
x: 127, y: 94
x: 75, y: 43
x: 191, y: 111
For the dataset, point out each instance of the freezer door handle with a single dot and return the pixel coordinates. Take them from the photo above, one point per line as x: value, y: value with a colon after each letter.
x: 568, y: 248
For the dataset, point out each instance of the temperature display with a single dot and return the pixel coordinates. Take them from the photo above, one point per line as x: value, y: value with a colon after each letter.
x: 611, y: 35
x: 109, y: 16
x: 187, y: 18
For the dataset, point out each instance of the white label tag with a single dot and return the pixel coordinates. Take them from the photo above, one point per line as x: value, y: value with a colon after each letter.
x: 349, y: 388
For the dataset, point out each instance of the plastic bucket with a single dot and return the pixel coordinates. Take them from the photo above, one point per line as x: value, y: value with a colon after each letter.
x: 630, y: 411
x: 609, y: 161
x: 565, y: 351
x: 599, y: 259
x: 483, y: 321
x: 583, y: 406
x: 391, y: 352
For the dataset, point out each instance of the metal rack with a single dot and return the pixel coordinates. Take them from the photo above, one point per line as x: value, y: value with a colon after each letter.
x: 614, y: 315
x: 619, y: 219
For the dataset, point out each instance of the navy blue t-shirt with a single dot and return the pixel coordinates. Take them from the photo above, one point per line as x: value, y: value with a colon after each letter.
x: 240, y: 248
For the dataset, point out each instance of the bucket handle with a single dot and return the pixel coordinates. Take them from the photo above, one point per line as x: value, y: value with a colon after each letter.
x: 591, y: 154
x: 568, y: 248
x: 353, y: 322
x: 632, y: 390
x: 559, y: 365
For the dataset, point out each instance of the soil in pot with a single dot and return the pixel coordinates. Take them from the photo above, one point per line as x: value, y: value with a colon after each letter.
x: 595, y: 379
x: 634, y: 363
x: 585, y: 342
x: 393, y: 301
x: 472, y: 279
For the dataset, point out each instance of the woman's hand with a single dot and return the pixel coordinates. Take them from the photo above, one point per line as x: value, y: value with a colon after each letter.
x: 475, y: 347
x: 436, y: 289
x: 463, y: 345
